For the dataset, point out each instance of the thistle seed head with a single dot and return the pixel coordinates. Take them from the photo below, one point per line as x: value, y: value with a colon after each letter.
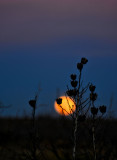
x: 32, y: 103
x: 102, y: 109
x: 74, y: 83
x: 73, y: 77
x: 59, y: 101
x: 94, y: 110
x: 84, y: 60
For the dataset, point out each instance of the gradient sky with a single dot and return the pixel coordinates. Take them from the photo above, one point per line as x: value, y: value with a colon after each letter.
x: 41, y: 42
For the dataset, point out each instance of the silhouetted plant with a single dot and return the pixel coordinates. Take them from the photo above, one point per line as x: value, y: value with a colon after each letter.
x: 102, y: 109
x: 59, y: 100
x: 36, y: 150
x: 94, y: 112
x: 83, y: 105
x: 76, y: 94
x: 32, y: 103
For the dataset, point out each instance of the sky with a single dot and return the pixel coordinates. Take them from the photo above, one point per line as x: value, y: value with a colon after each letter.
x: 41, y: 42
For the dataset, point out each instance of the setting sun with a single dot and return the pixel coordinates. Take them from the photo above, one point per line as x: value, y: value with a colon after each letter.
x: 66, y: 107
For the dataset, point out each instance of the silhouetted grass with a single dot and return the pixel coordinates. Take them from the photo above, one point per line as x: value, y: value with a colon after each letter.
x: 55, y: 139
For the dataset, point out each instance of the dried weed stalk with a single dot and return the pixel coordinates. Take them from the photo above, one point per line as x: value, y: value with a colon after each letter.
x: 83, y: 104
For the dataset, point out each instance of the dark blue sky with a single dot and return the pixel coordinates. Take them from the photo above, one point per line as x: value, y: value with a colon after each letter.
x: 41, y: 44
x: 24, y: 68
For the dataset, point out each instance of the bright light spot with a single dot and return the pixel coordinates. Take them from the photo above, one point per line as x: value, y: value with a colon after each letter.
x: 67, y: 107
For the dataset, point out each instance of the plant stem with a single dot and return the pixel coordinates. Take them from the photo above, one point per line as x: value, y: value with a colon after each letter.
x: 33, y: 136
x: 34, y: 132
x: 93, y: 132
x: 76, y: 120
x: 75, y: 134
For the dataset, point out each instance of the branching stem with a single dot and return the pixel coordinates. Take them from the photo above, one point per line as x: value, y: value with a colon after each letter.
x: 76, y: 120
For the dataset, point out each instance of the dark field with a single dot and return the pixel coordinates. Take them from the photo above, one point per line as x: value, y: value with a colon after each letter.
x: 54, y: 139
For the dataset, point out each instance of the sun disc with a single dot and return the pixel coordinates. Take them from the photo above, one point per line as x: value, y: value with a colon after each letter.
x: 67, y: 107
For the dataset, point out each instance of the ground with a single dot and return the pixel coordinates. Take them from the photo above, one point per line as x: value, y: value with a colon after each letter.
x: 54, y: 139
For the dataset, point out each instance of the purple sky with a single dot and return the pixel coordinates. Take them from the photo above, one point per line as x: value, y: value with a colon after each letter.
x: 43, y: 21
x: 41, y: 42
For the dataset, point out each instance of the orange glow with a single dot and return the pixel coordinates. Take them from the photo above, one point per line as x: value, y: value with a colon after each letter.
x: 67, y: 107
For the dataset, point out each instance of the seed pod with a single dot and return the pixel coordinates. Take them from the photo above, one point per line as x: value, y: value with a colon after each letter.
x: 32, y: 103
x: 84, y: 60
x: 94, y: 110
x: 79, y: 66
x: 73, y: 77
x: 74, y: 83
x: 102, y: 109
x: 92, y: 88
x: 59, y: 101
